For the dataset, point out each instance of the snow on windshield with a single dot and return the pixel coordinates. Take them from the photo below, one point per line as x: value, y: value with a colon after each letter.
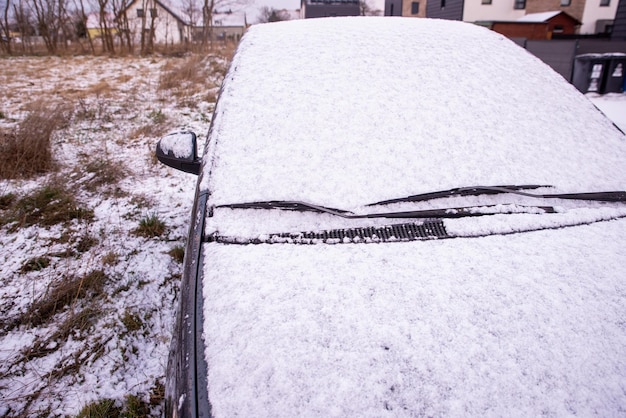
x: 342, y: 112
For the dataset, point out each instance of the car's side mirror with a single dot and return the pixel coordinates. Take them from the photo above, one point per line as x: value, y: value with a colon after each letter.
x: 178, y: 150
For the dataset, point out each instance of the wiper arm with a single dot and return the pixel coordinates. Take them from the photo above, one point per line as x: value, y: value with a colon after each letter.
x: 455, y: 212
x: 617, y: 196
x: 287, y: 205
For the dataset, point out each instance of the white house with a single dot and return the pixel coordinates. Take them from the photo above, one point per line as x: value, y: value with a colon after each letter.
x: 156, y: 18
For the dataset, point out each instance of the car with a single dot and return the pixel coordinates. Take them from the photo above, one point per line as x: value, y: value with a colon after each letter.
x: 400, y: 217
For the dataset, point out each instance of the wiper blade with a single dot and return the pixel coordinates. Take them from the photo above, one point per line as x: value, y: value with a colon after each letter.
x: 453, y: 212
x: 286, y: 205
x: 616, y: 196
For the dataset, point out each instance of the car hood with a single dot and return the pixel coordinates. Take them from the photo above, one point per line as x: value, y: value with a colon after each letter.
x: 530, y: 322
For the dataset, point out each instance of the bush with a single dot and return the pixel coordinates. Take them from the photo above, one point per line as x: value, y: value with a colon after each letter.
x: 27, y: 151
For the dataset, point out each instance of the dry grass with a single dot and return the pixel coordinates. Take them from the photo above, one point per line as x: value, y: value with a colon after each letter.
x: 64, y: 293
x: 52, y: 204
x: 179, y: 72
x: 27, y: 152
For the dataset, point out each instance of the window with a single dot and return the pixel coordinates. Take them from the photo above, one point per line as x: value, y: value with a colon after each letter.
x: 415, y: 8
x: 443, y: 3
x: 153, y: 12
x: 486, y: 2
x: 565, y: 3
x: 558, y: 29
x: 605, y: 2
x: 519, y: 4
x: 139, y: 12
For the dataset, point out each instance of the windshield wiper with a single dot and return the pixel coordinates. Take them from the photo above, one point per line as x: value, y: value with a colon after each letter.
x: 617, y: 196
x: 454, y: 212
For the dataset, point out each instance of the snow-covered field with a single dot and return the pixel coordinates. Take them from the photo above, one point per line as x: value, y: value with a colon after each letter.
x: 110, y: 342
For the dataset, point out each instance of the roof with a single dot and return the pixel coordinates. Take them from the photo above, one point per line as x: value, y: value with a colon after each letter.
x: 167, y: 5
x: 543, y: 17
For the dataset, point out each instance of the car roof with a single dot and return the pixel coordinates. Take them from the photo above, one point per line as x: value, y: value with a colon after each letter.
x: 342, y: 112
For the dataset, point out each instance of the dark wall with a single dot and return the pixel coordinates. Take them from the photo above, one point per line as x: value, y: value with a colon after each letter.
x: 393, y: 7
x: 319, y: 9
x: 619, y: 28
x: 560, y: 54
x: 452, y: 10
x: 557, y: 54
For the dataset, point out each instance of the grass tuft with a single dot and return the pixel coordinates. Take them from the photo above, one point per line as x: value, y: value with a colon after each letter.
x: 27, y: 151
x: 105, y: 172
x: 35, y: 264
x: 49, y: 205
x: 132, y: 321
x: 177, y: 253
x: 104, y: 408
x: 63, y: 294
x: 150, y: 226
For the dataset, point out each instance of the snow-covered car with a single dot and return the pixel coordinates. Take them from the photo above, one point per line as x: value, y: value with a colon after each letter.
x: 400, y: 217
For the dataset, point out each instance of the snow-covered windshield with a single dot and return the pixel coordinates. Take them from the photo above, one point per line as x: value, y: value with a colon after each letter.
x: 344, y: 113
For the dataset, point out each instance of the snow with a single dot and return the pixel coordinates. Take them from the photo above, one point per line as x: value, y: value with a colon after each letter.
x: 538, y: 17
x: 335, y: 114
x: 142, y: 278
x: 462, y: 327
x: 178, y: 144
x: 284, y: 296
x: 529, y: 320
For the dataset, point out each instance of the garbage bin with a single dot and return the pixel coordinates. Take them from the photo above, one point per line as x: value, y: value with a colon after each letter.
x: 599, y: 73
x: 589, y: 72
x: 615, y: 70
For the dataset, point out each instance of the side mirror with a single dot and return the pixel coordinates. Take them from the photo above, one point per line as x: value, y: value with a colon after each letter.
x: 178, y: 150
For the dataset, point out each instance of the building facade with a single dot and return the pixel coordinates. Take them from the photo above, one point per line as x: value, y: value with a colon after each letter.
x: 406, y: 8
x: 329, y: 8
x: 596, y: 16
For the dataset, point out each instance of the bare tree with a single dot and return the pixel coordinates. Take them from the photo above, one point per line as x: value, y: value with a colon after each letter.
x: 51, y: 18
x: 366, y: 9
x: 5, y: 31
x: 24, y: 24
x: 269, y: 14
x: 81, y: 16
x: 209, y: 8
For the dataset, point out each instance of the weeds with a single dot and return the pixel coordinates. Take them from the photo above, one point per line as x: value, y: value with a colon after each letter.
x: 35, y: 264
x: 7, y: 200
x: 177, y: 73
x: 62, y: 294
x: 150, y: 226
x: 27, y: 151
x: 177, y: 253
x: 131, y: 321
x: 49, y: 205
x: 104, y: 408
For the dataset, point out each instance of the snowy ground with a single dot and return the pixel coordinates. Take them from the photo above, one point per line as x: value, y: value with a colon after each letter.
x: 118, y: 337
x: 613, y: 105
x: 119, y: 348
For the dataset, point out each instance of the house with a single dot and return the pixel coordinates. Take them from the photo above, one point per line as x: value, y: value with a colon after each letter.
x: 595, y: 16
x: 154, y: 22
x: 537, y: 26
x: 226, y: 25
x: 406, y: 8
x: 329, y: 8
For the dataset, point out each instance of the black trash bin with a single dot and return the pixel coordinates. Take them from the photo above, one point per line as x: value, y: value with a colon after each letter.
x: 599, y: 73
x: 615, y: 70
x: 589, y: 72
